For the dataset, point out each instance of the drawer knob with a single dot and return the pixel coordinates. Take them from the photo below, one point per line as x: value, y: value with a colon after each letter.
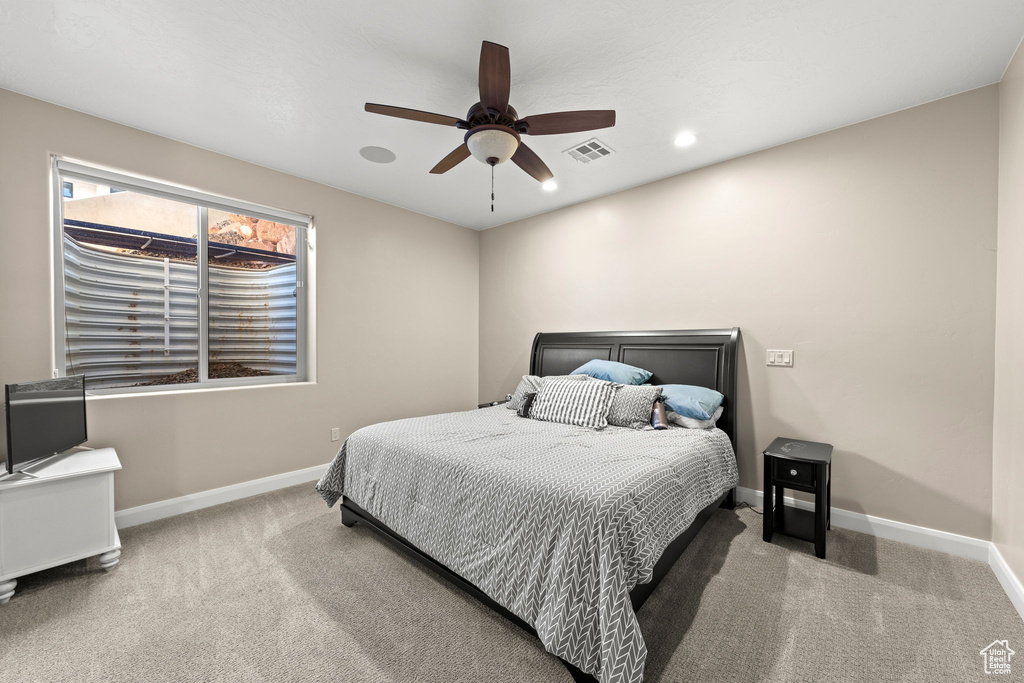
x: 792, y: 473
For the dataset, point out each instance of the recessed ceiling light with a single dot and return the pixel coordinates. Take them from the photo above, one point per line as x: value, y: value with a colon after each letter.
x: 685, y: 139
x: 549, y: 185
x: 378, y: 155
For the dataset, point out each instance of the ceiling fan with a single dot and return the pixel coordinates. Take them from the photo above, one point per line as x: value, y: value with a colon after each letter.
x: 493, y: 128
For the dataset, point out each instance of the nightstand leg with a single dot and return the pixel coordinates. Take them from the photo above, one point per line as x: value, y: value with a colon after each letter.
x: 780, y: 504
x: 767, y: 501
x: 820, y: 512
x: 828, y: 496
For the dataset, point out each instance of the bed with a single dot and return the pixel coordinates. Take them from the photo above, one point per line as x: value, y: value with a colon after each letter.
x: 565, y: 531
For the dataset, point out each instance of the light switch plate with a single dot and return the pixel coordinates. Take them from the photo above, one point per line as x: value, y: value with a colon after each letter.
x: 336, y: 434
x: 780, y: 358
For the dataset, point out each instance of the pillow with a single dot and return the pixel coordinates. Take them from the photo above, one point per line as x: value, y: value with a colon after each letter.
x: 690, y: 423
x: 531, y: 384
x: 524, y: 410
x: 574, y: 403
x: 632, y: 406
x: 699, y: 403
x: 610, y: 371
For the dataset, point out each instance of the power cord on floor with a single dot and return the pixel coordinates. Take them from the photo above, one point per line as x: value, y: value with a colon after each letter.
x: 745, y: 504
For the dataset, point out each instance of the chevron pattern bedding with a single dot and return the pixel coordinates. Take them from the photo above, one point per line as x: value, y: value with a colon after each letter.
x: 557, y: 523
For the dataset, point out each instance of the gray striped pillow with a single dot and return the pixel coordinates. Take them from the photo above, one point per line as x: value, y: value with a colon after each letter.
x: 574, y: 403
x: 531, y: 384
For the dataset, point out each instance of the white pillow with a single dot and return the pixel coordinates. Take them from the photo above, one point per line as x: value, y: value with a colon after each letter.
x: 690, y: 423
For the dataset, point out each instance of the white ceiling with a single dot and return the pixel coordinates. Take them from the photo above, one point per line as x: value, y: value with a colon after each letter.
x: 282, y: 83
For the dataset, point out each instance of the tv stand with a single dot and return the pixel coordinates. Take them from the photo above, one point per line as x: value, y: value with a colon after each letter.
x: 62, y: 511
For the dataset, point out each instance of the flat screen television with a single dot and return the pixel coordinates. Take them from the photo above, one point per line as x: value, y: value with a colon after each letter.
x: 44, y: 418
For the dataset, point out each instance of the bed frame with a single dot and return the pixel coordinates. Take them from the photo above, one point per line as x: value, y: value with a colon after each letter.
x: 701, y: 357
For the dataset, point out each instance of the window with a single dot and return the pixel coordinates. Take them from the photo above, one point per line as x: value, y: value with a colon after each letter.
x: 161, y: 287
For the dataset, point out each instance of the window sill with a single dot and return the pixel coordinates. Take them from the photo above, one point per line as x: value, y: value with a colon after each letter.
x: 103, y: 394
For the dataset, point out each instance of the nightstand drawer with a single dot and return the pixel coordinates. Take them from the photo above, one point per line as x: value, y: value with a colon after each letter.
x: 794, y: 472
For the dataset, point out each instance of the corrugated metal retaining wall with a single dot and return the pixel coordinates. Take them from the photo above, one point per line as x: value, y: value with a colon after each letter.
x: 115, y: 310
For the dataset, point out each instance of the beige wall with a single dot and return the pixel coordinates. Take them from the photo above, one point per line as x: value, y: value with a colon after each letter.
x: 382, y: 353
x: 137, y: 211
x: 1008, y: 426
x: 869, y: 250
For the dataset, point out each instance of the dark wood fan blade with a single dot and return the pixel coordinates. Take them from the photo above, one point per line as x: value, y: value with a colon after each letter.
x: 526, y: 159
x: 569, y: 121
x: 495, y: 76
x: 456, y: 157
x: 411, y: 114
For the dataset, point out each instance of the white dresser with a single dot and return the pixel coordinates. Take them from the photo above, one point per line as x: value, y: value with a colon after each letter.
x: 62, y: 513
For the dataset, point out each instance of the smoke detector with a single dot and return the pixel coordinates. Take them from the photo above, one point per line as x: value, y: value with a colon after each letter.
x: 591, y: 150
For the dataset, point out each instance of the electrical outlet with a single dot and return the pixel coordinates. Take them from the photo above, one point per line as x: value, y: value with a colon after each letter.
x: 780, y: 358
x: 335, y: 434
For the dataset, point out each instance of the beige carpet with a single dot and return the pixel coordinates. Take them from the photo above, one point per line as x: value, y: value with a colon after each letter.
x: 273, y: 588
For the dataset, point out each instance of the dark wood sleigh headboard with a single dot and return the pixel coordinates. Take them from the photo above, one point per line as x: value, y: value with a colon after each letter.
x: 704, y: 358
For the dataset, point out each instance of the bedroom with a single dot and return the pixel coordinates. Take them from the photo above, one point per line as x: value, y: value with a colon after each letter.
x: 851, y: 196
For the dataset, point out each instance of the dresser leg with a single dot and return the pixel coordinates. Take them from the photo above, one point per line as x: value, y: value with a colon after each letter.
x: 110, y: 559
x: 7, y: 590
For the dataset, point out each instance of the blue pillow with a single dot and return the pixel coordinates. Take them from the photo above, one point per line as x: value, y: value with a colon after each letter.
x: 700, y: 403
x: 610, y: 371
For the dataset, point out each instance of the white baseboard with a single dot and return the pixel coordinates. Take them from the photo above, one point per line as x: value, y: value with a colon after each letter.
x: 205, y: 499
x: 922, y: 537
x: 1010, y: 583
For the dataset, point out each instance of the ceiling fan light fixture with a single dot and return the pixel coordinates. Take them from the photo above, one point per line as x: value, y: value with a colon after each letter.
x: 492, y: 144
x: 494, y: 126
x: 549, y: 185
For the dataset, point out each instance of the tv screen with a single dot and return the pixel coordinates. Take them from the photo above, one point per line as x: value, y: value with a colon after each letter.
x: 44, y: 418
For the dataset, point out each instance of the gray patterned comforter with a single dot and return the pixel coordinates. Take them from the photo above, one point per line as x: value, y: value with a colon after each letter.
x: 556, y: 523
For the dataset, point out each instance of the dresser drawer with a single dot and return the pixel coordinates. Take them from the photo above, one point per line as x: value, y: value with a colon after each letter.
x: 794, y: 472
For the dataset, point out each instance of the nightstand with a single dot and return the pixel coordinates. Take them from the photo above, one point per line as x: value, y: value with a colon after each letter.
x: 802, y: 466
x: 492, y: 403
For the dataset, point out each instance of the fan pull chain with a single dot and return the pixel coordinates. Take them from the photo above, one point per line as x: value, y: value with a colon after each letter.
x: 492, y: 188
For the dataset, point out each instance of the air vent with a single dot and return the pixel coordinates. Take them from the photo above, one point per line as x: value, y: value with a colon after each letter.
x: 591, y: 150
